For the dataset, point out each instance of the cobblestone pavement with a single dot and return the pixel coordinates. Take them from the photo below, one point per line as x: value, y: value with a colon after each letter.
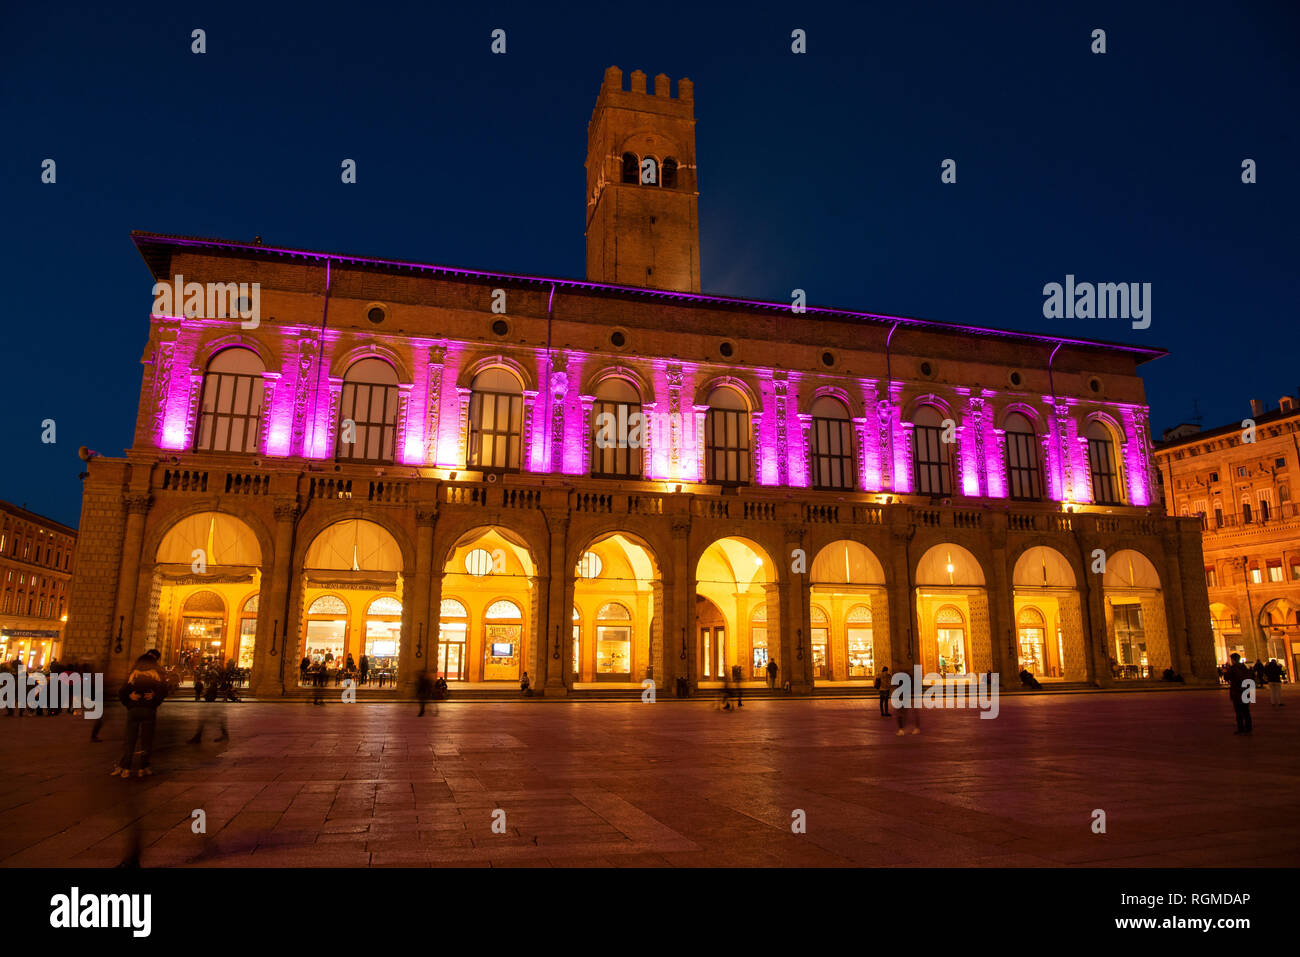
x: 669, y: 784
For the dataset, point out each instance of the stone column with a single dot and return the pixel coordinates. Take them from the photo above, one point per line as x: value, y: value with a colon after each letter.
x: 1002, y: 602
x: 125, y: 614
x: 679, y: 651
x: 556, y: 609
x: 275, y: 667
x: 903, y: 640
x: 417, y: 629
x: 795, y: 621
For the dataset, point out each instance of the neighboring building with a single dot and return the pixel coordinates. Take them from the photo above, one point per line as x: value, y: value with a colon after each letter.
x: 484, y: 474
x: 35, y: 571
x: 1242, y: 493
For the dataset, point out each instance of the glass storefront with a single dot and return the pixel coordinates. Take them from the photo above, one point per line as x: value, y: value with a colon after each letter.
x: 820, y: 639
x: 859, y: 643
x: 1131, y: 642
x: 503, y: 632
x: 453, y: 628
x: 383, y: 640
x: 613, y: 643
x: 1032, y: 635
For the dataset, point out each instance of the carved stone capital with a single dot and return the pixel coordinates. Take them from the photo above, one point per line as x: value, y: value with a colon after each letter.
x: 287, y: 511
x: 426, y: 516
x: 137, y: 503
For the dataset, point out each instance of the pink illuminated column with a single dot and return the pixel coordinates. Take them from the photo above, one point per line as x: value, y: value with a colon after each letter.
x: 997, y: 464
x: 648, y: 436
x: 409, y: 444
x: 587, y: 427
x: 325, y: 430
x: 462, y: 427
x: 694, y: 452
x: 1137, y: 456
x: 903, y: 478
x: 533, y: 454
x: 801, y: 476
x: 433, y: 403
x: 192, y: 407
x: 269, y: 379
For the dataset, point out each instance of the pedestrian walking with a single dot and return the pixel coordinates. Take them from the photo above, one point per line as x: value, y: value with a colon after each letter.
x: 771, y: 673
x: 738, y: 675
x: 424, y: 690
x: 1238, y: 675
x: 1273, y: 672
x: 909, y: 702
x: 365, y: 668
x: 142, y: 693
x: 882, y: 685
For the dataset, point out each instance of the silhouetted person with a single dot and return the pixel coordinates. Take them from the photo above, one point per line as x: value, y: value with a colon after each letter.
x: 142, y: 693
x: 304, y: 668
x: 738, y: 675
x: 882, y: 685
x: 1258, y: 672
x: 771, y: 673
x: 424, y: 690
x: 526, y: 686
x: 365, y: 668
x: 1273, y: 671
x: 1238, y: 675
x: 1028, y: 680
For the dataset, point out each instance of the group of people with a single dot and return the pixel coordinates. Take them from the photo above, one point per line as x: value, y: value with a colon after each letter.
x: 1237, y: 675
x: 52, y: 672
x: 325, y: 669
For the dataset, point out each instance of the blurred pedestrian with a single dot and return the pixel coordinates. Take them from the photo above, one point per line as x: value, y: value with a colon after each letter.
x: 1273, y: 671
x: 771, y: 673
x: 424, y: 690
x: 882, y: 685
x: 142, y: 693
x: 1238, y: 675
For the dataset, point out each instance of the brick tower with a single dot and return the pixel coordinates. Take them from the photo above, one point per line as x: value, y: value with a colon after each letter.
x: 642, y: 205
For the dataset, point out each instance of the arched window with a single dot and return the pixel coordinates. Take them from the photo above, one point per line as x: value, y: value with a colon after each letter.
x: 613, y: 642
x: 950, y: 641
x: 649, y: 171
x: 203, y: 620
x: 1022, y: 458
x: 496, y: 415
x: 758, y: 640
x: 503, y: 629
x: 453, y: 626
x: 930, y: 453
x: 1101, y: 464
x: 859, y: 643
x: 248, y: 632
x: 669, y: 178
x: 726, y: 437
x: 1033, y: 641
x: 368, y: 413
x: 618, y: 430
x: 589, y: 565
x: 1245, y: 511
x: 231, y: 411
x: 383, y: 639
x: 631, y: 168
x: 478, y: 562
x: 832, y: 445
x: 325, y: 633
x: 503, y: 609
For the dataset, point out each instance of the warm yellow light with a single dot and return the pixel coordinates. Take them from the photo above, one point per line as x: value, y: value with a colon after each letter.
x: 950, y: 568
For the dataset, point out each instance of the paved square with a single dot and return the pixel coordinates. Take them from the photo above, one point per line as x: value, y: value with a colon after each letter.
x: 671, y: 784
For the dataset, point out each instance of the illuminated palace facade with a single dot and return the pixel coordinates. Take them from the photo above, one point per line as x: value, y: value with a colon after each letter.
x: 606, y: 480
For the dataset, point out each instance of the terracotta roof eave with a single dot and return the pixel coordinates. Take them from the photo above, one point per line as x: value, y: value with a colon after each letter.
x: 143, y: 238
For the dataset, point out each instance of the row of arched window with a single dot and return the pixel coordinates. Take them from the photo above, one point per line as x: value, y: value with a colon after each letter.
x: 648, y: 171
x: 230, y: 415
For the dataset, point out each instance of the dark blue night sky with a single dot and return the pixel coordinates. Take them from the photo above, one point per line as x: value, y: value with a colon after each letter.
x: 818, y: 171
